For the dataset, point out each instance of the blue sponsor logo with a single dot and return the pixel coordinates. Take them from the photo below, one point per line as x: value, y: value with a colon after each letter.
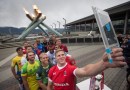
x: 108, y: 27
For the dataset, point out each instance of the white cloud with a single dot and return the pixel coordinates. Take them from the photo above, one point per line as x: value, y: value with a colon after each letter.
x: 11, y: 13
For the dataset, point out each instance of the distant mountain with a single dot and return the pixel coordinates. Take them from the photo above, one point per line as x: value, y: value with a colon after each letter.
x: 16, y: 31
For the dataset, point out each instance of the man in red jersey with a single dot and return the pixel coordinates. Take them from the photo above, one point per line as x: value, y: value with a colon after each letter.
x: 62, y: 46
x: 25, y: 44
x: 62, y: 76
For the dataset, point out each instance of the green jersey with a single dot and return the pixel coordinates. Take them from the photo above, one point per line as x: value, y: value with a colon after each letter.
x: 42, y: 73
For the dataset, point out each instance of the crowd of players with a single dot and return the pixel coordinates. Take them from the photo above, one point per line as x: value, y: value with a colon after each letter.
x: 47, y: 65
x: 34, y: 61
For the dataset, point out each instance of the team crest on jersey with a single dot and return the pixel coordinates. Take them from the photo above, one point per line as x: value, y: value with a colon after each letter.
x: 54, y: 73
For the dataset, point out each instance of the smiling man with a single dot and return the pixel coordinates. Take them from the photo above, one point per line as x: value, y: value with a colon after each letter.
x: 16, y: 62
x: 62, y: 76
x: 42, y: 73
x: 28, y: 72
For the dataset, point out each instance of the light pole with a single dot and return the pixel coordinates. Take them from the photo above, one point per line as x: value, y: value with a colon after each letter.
x: 55, y: 25
x: 59, y: 24
x: 65, y: 23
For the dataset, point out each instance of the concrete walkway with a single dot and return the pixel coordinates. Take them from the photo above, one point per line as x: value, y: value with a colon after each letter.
x: 2, y: 62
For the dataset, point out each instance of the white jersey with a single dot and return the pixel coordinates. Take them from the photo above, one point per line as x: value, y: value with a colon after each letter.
x: 51, y: 56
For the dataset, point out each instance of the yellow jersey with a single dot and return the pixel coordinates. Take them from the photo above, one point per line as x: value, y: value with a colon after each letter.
x: 16, y: 61
x: 30, y: 70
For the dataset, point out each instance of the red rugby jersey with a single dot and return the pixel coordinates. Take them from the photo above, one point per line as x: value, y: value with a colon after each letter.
x: 64, y: 47
x: 70, y: 61
x: 63, y: 79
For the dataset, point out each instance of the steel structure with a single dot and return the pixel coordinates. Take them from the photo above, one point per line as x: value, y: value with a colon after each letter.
x: 37, y: 21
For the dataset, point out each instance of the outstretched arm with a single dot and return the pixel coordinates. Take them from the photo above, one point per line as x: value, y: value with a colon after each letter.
x: 93, y: 69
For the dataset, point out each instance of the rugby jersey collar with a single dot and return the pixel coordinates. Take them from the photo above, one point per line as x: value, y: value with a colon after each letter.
x: 61, y: 67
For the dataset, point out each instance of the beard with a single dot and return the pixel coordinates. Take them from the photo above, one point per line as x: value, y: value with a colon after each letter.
x: 31, y: 60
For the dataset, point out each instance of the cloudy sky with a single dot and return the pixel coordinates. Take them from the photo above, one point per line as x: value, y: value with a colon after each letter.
x: 12, y: 14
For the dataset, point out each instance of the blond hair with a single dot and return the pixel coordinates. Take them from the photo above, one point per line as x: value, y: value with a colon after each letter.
x: 58, y: 50
x: 40, y: 56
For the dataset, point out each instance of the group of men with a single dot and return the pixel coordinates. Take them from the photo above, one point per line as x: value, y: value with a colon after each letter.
x: 33, y: 63
x: 44, y: 74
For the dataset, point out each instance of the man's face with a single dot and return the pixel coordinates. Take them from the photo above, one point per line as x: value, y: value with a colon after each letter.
x: 31, y: 56
x: 38, y: 41
x: 53, y: 38
x: 58, y: 42
x: 25, y: 44
x: 60, y: 57
x: 125, y: 40
x: 44, y: 59
x: 20, y: 52
x: 35, y: 45
x: 44, y: 39
x: 29, y: 49
x: 51, y: 48
x: 57, y: 47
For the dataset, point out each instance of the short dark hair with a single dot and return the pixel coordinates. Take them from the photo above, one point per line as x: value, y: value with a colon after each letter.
x: 50, y: 42
x: 17, y: 49
x: 28, y: 46
x: 57, y: 39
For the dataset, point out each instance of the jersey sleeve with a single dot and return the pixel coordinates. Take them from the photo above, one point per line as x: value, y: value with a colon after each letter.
x: 24, y: 70
x: 38, y: 74
x: 13, y: 63
x: 50, y: 74
x: 73, y: 68
x: 65, y: 48
x: 23, y: 60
